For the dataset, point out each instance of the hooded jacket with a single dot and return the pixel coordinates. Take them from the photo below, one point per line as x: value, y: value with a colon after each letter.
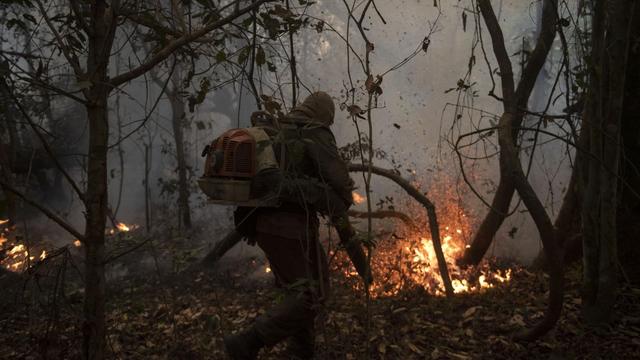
x: 317, y: 156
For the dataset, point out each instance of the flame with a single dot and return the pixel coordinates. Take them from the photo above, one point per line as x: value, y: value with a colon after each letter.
x: 121, y: 227
x: 357, y: 198
x: 17, y: 249
x: 17, y: 257
x: 77, y: 243
x: 410, y: 261
x: 267, y: 269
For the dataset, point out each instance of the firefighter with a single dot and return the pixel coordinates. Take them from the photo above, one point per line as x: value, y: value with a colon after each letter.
x: 288, y: 235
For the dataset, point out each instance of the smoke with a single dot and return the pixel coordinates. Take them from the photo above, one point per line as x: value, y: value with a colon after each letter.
x: 415, y: 119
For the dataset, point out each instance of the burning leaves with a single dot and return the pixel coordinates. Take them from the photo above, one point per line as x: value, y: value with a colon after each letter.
x: 15, y: 256
x: 410, y: 262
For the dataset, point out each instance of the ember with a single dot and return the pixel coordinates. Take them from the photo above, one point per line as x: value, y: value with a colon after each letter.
x: 121, y: 227
x: 357, y: 198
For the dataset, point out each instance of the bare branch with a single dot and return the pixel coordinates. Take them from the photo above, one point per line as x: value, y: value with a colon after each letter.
x: 48, y: 213
x: 44, y: 142
x: 497, y: 39
x: 179, y: 42
x: 383, y: 214
x: 71, y: 58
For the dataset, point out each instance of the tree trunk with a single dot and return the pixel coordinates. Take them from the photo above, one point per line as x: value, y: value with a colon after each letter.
x: 514, y: 101
x: 8, y: 157
x: 519, y: 97
x: 178, y: 116
x: 100, y: 43
x: 490, y: 225
x: 606, y: 95
x: 96, y: 202
x: 629, y: 206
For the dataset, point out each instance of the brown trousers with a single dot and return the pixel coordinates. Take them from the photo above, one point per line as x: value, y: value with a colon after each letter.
x: 290, y: 242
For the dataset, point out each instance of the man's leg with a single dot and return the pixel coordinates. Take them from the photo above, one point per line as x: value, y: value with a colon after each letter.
x: 294, y: 262
x: 301, y: 267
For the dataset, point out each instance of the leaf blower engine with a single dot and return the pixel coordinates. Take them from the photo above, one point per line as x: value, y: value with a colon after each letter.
x: 233, y: 163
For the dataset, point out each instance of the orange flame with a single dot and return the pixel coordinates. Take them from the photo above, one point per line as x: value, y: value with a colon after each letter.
x: 357, y: 198
x: 123, y: 227
x: 17, y: 256
x: 410, y: 261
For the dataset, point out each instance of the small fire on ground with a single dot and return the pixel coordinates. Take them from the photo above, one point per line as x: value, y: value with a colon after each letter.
x: 122, y: 228
x: 407, y: 260
x: 14, y: 256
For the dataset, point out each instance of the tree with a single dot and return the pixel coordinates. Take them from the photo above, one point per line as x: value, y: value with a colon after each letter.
x: 87, y: 37
x: 591, y: 203
x: 609, y: 109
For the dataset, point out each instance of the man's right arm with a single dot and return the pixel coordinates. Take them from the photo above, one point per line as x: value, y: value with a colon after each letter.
x: 331, y: 168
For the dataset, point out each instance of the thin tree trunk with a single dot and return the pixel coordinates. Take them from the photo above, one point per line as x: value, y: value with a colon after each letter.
x: 514, y: 102
x: 519, y: 97
x: 147, y: 200
x: 96, y: 201
x: 490, y: 225
x: 178, y: 116
x: 100, y: 43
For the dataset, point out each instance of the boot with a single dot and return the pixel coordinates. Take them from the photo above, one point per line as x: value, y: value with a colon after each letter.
x: 244, y: 345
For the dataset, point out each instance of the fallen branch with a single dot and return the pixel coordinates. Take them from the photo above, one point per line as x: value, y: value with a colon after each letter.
x: 431, y: 212
x: 221, y: 248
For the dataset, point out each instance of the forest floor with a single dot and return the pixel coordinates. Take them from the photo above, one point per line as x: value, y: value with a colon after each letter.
x: 185, y: 317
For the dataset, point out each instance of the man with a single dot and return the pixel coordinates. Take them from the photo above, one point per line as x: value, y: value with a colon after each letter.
x: 289, y: 234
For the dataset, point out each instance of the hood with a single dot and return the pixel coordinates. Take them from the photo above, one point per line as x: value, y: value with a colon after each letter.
x: 317, y: 109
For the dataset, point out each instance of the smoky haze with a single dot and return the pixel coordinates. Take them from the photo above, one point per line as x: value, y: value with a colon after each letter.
x: 415, y: 98
x: 414, y: 124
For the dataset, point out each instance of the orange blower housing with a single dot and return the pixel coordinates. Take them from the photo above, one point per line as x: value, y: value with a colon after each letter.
x: 232, y: 155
